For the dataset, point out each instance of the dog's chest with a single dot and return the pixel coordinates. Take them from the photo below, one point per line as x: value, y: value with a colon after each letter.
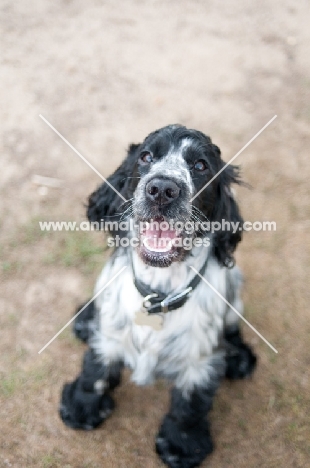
x: 188, y: 335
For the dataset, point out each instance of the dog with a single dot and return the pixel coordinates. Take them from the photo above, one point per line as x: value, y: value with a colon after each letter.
x: 166, y: 314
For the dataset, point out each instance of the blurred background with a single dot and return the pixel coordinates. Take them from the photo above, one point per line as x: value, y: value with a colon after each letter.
x: 105, y: 74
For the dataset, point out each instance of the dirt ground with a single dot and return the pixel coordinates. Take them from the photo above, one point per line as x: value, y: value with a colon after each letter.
x: 106, y: 74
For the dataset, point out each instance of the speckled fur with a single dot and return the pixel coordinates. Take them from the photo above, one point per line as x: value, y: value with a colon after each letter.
x: 201, y: 341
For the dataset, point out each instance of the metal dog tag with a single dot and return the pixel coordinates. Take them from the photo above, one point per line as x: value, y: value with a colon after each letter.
x: 154, y: 321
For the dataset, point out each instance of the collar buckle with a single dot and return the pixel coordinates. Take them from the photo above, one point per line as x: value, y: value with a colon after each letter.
x: 146, y: 303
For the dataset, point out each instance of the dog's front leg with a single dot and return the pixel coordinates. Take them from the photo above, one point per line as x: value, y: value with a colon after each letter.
x: 86, y: 402
x: 184, y: 438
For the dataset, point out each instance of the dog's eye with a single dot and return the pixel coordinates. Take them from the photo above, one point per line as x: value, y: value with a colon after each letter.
x: 146, y: 157
x: 200, y: 165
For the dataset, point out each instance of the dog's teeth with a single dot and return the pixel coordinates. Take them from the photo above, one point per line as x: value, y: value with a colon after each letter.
x: 157, y: 249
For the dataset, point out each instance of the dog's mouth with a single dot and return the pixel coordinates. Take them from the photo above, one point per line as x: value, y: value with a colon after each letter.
x: 156, y: 239
x: 160, y: 242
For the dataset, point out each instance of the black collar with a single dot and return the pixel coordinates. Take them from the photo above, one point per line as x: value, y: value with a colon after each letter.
x: 155, y: 301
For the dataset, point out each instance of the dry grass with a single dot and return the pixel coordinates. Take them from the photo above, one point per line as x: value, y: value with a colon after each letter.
x: 107, y: 76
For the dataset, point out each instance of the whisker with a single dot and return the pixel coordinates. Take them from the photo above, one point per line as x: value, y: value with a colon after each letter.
x: 200, y: 212
x: 130, y: 178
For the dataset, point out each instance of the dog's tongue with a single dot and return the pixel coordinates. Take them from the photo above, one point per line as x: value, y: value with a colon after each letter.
x: 157, y: 240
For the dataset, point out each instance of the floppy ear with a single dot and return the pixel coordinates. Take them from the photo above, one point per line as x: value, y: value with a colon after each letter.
x: 226, y: 209
x: 104, y: 203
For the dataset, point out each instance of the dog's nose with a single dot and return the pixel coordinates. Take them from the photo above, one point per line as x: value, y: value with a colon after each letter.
x: 162, y: 191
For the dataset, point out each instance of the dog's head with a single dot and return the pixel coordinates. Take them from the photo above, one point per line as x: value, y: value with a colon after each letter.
x: 159, y: 178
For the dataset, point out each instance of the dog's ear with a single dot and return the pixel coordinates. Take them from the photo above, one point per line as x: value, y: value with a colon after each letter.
x: 105, y: 203
x: 226, y: 209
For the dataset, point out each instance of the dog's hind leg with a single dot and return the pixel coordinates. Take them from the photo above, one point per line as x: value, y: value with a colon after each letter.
x: 84, y: 323
x: 86, y: 402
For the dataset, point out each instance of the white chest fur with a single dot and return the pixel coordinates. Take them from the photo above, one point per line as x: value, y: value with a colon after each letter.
x: 183, y: 347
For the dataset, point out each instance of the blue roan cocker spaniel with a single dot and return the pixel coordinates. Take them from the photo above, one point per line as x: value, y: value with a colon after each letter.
x: 158, y: 316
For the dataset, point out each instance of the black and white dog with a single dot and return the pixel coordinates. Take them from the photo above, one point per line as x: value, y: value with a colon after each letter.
x: 184, y: 332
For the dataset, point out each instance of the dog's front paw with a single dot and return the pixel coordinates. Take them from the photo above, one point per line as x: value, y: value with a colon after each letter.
x: 80, y: 409
x: 183, y: 447
x: 241, y: 363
